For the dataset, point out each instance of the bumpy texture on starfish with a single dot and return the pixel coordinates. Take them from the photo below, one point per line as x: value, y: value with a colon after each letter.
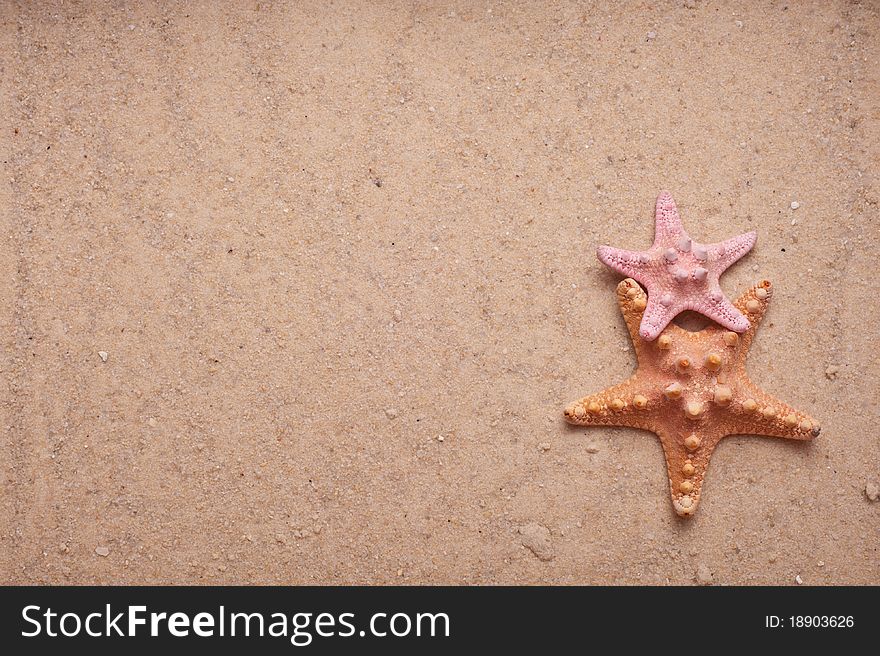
x: 679, y: 273
x: 691, y: 389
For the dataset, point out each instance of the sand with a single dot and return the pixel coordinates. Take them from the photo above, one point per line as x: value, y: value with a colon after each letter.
x: 297, y: 293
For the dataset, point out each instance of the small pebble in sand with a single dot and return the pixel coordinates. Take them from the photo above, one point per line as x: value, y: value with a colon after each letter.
x: 821, y: 563
x: 544, y: 447
x: 398, y: 316
x: 704, y: 574
x: 795, y: 204
x: 592, y: 448
x: 739, y: 24
x: 102, y: 551
x: 440, y: 438
x: 536, y: 538
x: 798, y: 580
x: 872, y: 490
x: 391, y: 413
x: 831, y: 372
x: 652, y: 35
x: 103, y: 355
x: 152, y: 422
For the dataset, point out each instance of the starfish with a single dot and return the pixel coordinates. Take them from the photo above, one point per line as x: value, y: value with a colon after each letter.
x: 691, y: 389
x: 679, y: 273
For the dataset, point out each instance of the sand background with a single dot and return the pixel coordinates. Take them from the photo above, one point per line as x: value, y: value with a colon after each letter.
x: 315, y: 238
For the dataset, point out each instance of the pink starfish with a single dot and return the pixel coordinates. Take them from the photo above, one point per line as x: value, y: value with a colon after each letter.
x: 679, y: 273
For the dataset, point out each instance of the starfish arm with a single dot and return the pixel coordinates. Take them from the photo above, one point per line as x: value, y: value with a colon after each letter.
x: 687, y: 459
x: 626, y: 262
x: 657, y: 316
x: 620, y: 405
x: 759, y: 413
x: 633, y: 301
x: 753, y: 303
x: 722, y: 311
x: 730, y: 250
x: 667, y: 221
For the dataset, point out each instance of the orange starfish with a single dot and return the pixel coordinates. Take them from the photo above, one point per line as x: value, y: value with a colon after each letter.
x: 691, y: 389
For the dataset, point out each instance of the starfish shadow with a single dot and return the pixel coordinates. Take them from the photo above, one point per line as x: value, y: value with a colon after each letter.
x: 607, y: 275
x: 691, y: 321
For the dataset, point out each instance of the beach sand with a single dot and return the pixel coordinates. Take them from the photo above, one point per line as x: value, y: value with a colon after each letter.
x: 298, y: 293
